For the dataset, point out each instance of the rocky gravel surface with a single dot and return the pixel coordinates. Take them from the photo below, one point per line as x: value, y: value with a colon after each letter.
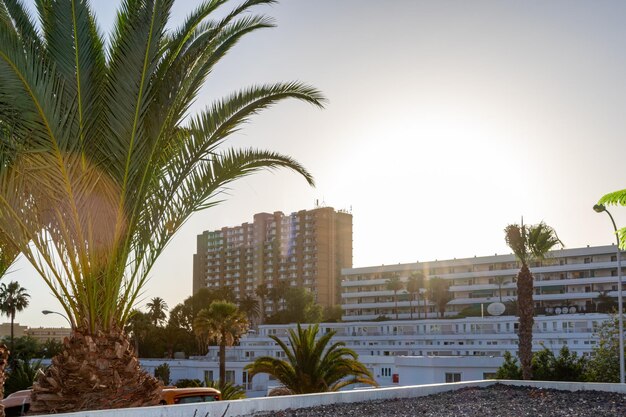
x: 494, y: 401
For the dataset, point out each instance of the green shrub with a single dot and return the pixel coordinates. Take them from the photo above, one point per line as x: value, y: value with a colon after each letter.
x: 162, y: 372
x: 188, y: 383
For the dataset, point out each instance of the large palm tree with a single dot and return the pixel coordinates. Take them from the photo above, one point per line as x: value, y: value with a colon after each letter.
x: 106, y: 163
x: 8, y: 255
x: 413, y: 286
x: 313, y: 364
x: 394, y: 284
x: 224, y: 323
x: 157, y: 308
x: 528, y: 243
x: 439, y: 293
x: 13, y: 299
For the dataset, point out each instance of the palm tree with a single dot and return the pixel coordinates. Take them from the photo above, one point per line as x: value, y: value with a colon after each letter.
x: 224, y: 323
x: 157, y: 308
x: 249, y: 305
x: 313, y: 365
x: 8, y: 255
x: 413, y: 286
x: 528, y: 243
x: 13, y: 299
x: 262, y: 292
x: 438, y: 292
x: 105, y: 163
x: 500, y: 282
x: 395, y: 284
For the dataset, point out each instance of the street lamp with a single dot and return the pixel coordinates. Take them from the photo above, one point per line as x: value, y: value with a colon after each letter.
x: 46, y: 312
x: 599, y: 208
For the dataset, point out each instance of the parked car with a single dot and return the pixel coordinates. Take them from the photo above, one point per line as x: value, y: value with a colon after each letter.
x: 18, y: 403
x: 171, y: 395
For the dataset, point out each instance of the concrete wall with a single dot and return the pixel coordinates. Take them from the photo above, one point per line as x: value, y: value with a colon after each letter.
x: 250, y: 406
x: 420, y: 370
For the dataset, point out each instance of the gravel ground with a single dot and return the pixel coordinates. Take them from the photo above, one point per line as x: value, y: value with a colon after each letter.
x: 494, y: 401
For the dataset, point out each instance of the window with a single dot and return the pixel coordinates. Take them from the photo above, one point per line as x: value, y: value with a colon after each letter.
x: 208, y: 375
x: 452, y: 377
x: 230, y: 376
x: 385, y: 372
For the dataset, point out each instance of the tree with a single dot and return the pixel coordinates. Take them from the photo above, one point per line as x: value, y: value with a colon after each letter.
x: 138, y: 326
x: 22, y: 375
x: 105, y: 163
x: 249, y: 306
x: 157, y: 308
x: 528, y: 243
x: 438, y: 292
x: 162, y: 373
x: 509, y: 369
x: 394, y: 284
x: 13, y: 299
x: 500, y: 282
x: 313, y: 364
x: 603, y: 366
x: 413, y: 286
x: 224, y: 323
x: 262, y: 292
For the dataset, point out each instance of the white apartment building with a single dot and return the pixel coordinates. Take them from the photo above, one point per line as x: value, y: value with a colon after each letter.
x: 397, y: 351
x: 567, y: 278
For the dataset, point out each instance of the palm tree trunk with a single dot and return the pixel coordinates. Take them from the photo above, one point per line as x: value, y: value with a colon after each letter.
x: 12, y: 336
x: 395, y: 299
x: 411, y: 305
x: 525, y: 310
x: 94, y: 371
x: 222, y: 361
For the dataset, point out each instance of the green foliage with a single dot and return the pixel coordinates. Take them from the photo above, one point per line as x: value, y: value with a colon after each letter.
x: 616, y: 198
x: 333, y: 314
x: 21, y: 376
x: 188, y: 383
x: 603, y: 366
x: 300, y: 307
x: 162, y: 372
x: 157, y: 311
x: 567, y: 366
x: 313, y: 364
x: 50, y: 348
x: 509, y: 369
x: 103, y: 162
x: 25, y: 348
x: 531, y: 242
x: 229, y: 390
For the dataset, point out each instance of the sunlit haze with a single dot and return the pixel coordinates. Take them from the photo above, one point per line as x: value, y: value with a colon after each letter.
x: 445, y: 121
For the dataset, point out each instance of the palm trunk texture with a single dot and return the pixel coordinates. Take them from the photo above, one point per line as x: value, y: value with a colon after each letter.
x: 4, y: 358
x: 525, y: 311
x: 93, y: 372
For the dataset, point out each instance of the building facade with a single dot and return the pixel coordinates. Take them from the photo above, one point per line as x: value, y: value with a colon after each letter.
x: 569, y: 280
x: 43, y: 334
x: 306, y: 249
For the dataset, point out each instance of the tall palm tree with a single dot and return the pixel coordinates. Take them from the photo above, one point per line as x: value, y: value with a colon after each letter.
x: 249, y: 306
x: 157, y: 308
x: 394, y: 284
x: 13, y: 299
x: 528, y: 243
x: 500, y: 282
x: 262, y: 292
x: 224, y: 323
x: 413, y: 286
x: 8, y: 255
x: 438, y: 292
x: 313, y: 365
x: 106, y: 163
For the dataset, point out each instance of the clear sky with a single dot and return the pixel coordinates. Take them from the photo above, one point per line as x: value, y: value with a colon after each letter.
x: 446, y: 121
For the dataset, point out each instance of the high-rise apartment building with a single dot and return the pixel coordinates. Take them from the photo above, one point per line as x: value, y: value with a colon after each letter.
x: 305, y: 249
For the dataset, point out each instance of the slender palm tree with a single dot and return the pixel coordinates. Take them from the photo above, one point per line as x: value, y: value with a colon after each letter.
x: 224, y: 323
x: 262, y: 292
x: 8, y: 255
x: 500, y: 282
x: 528, y: 243
x: 313, y: 364
x: 438, y: 292
x: 413, y: 286
x: 13, y: 299
x: 249, y: 306
x: 157, y: 310
x: 106, y: 162
x: 394, y: 284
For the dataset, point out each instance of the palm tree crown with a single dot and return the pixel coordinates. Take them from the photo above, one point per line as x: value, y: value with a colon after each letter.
x: 157, y: 308
x: 312, y: 364
x: 105, y: 163
x: 13, y: 299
